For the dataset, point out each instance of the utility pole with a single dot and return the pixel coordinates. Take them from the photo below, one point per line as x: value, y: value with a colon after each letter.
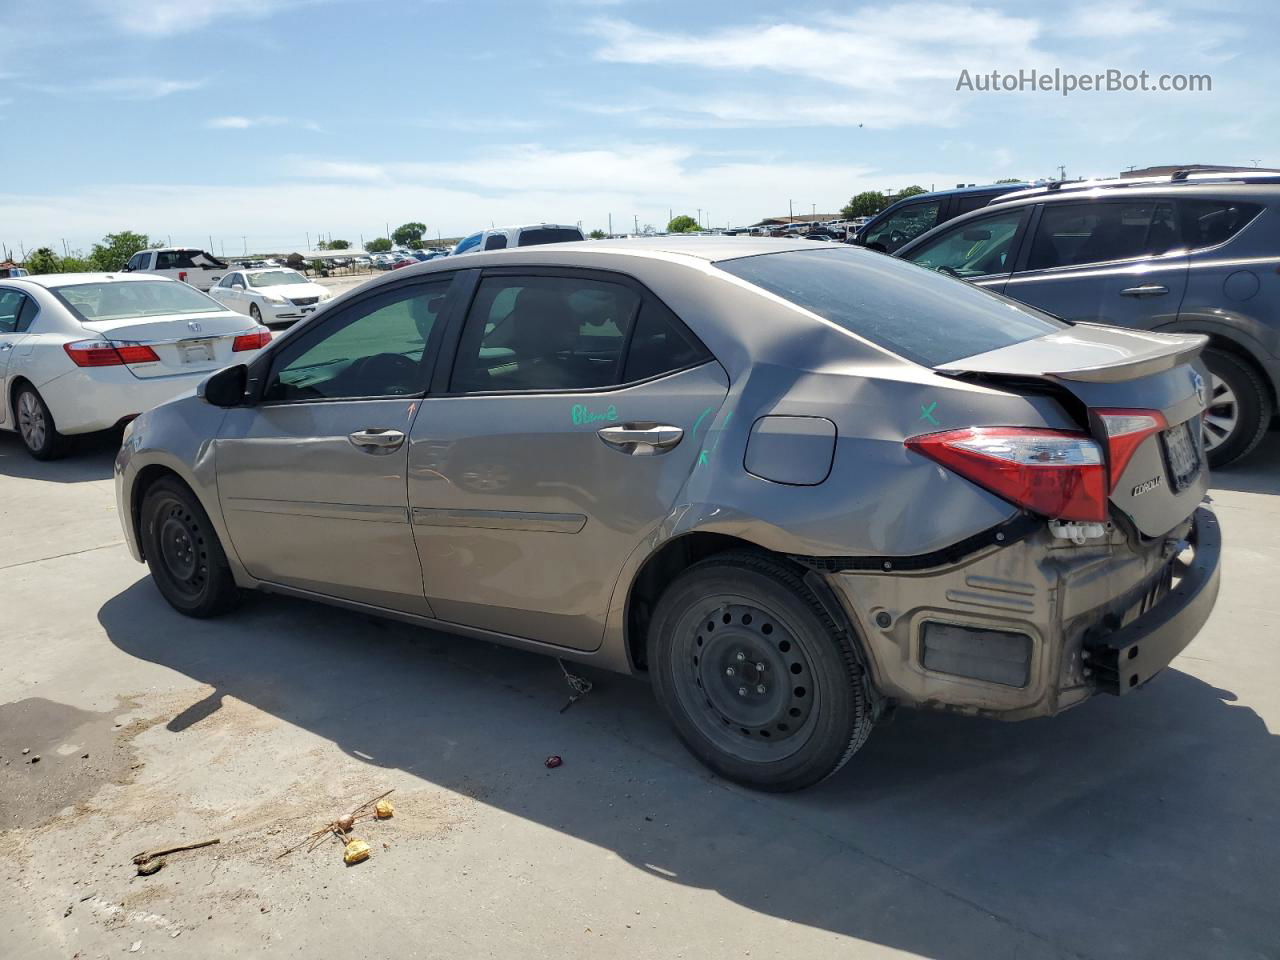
x: 1063, y: 171
x: 65, y: 251
x: 814, y: 211
x: 246, y: 244
x: 791, y: 211
x: 611, y: 224
x: 308, y: 242
x: 636, y: 216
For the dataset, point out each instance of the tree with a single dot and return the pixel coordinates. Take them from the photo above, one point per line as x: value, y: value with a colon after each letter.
x: 865, y: 204
x: 339, y: 245
x: 596, y: 234
x: 43, y: 260
x: 682, y: 224
x: 378, y: 245
x: 115, y: 250
x: 911, y: 191
x: 409, y: 235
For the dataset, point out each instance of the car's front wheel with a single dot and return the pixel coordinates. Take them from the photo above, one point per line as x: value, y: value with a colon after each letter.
x: 183, y: 552
x: 1238, y: 409
x: 759, y: 682
x: 255, y: 313
x: 36, y: 425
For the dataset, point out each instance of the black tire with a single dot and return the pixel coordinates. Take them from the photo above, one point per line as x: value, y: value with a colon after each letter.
x: 1245, y: 400
x: 183, y: 552
x: 36, y: 425
x: 255, y: 313
x: 806, y: 708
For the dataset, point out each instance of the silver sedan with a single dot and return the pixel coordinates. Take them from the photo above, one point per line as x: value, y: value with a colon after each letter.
x: 794, y: 485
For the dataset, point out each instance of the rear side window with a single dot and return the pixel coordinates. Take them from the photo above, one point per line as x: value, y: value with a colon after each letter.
x: 1207, y: 223
x: 970, y: 201
x: 921, y: 315
x: 27, y: 314
x: 175, y: 260
x: 1072, y: 234
x: 537, y: 235
x: 10, y: 308
x: 496, y: 242
x: 661, y: 344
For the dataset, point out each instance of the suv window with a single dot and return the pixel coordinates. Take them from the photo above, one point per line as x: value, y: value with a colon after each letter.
x: 497, y: 241
x: 980, y: 247
x: 892, y: 303
x: 373, y: 348
x: 544, y: 333
x: 175, y: 260
x: 1207, y: 223
x: 1070, y: 234
x: 905, y: 223
x: 966, y: 202
x: 537, y: 235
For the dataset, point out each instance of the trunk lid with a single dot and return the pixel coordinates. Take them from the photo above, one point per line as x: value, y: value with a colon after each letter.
x: 1116, y: 378
x: 184, y: 343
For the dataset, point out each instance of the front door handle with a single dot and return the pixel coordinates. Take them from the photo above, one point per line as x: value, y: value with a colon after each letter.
x: 1147, y: 290
x: 642, y: 439
x: 377, y: 440
x: 6, y: 346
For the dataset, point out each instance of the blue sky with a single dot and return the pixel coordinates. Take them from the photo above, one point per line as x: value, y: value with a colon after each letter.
x: 268, y: 119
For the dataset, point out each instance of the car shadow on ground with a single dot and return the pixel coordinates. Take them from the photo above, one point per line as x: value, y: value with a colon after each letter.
x: 89, y: 457
x: 1135, y: 827
x: 1259, y: 472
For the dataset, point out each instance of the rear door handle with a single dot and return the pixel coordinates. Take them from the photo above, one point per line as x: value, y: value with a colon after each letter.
x: 641, y: 440
x: 1147, y: 290
x: 377, y: 440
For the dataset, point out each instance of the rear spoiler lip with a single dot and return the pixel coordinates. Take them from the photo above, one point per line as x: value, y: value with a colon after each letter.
x: 1172, y: 350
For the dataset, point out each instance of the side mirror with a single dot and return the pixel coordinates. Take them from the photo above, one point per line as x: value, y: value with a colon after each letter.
x: 977, y: 234
x: 225, y: 388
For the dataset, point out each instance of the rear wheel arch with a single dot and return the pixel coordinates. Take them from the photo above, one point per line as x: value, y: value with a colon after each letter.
x: 12, y: 399
x: 1240, y: 345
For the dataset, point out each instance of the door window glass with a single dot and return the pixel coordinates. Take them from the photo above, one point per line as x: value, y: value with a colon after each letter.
x: 974, y: 249
x: 27, y: 314
x: 497, y: 241
x: 1207, y: 223
x: 905, y: 223
x: 661, y: 344
x: 374, y: 348
x: 544, y: 333
x: 10, y: 307
x: 1071, y: 234
x: 968, y: 202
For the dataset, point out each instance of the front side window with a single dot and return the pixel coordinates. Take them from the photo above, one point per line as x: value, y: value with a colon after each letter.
x: 923, y: 316
x: 544, y: 333
x: 1207, y: 223
x: 228, y: 280
x: 497, y: 241
x: 1073, y: 234
x: 904, y: 224
x: 980, y: 247
x: 134, y: 298
x: 138, y: 261
x: 374, y: 348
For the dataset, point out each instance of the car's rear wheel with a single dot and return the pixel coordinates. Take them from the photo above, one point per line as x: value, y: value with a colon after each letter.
x: 760, y: 684
x: 1238, y: 409
x: 183, y: 552
x: 36, y: 425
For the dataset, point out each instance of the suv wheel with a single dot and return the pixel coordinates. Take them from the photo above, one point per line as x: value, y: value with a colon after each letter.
x: 183, y: 552
x: 36, y: 426
x: 758, y: 681
x: 1238, y: 411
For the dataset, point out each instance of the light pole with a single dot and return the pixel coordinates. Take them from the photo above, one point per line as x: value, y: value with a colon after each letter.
x: 791, y: 211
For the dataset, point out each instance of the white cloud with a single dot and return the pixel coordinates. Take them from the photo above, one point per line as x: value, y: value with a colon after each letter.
x: 236, y: 122
x: 164, y: 19
x: 120, y: 88
x: 1124, y: 18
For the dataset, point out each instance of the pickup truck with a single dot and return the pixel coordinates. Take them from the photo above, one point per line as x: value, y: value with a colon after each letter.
x: 188, y: 264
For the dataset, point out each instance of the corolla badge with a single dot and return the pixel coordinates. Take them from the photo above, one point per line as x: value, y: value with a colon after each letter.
x: 194, y: 326
x: 1197, y: 381
x: 1146, y: 486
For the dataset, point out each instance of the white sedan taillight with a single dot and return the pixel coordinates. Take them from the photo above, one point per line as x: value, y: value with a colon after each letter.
x: 108, y: 353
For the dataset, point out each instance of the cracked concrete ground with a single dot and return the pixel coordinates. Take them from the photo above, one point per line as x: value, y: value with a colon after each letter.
x: 1143, y: 827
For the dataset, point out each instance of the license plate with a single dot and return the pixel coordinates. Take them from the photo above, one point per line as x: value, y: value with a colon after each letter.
x: 195, y: 351
x: 1182, y: 453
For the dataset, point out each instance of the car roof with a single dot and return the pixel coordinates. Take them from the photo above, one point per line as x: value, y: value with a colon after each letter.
x: 51, y: 281
x: 1164, y: 188
x: 710, y: 249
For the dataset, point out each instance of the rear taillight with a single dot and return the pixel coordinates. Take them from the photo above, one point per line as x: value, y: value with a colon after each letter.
x: 106, y: 353
x: 1056, y: 473
x: 251, y: 341
x: 1126, y: 430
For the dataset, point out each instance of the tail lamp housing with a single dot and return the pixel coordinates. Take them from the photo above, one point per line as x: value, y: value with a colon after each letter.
x: 108, y: 353
x: 254, y: 340
x: 1126, y: 431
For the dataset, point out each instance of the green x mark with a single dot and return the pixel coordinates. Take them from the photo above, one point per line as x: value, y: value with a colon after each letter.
x: 926, y: 413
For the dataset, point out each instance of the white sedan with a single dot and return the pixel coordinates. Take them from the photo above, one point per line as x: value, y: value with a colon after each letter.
x: 81, y: 352
x: 276, y: 297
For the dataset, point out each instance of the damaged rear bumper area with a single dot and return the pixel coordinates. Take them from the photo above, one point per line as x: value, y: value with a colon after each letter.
x: 1033, y: 626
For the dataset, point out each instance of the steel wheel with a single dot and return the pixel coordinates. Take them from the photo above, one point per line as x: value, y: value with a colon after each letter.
x: 745, y: 680
x: 31, y: 421
x: 183, y: 551
x: 1222, y: 414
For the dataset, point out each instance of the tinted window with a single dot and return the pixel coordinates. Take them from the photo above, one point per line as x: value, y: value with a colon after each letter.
x: 373, y: 348
x: 544, y: 333
x: 175, y: 260
x: 27, y: 314
x: 138, y: 261
x: 970, y: 201
x: 10, y: 308
x: 923, y: 316
x: 1070, y: 234
x: 660, y: 344
x: 496, y: 242
x: 905, y: 223
x: 536, y: 235
x: 1207, y: 223
x: 977, y: 248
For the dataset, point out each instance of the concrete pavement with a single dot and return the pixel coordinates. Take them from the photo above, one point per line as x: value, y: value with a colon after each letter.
x: 1125, y: 829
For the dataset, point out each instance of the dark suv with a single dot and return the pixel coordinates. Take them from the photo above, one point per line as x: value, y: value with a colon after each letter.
x: 905, y: 220
x: 1180, y: 254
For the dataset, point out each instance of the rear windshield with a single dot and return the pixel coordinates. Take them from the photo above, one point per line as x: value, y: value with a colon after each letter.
x: 919, y: 314
x: 529, y: 238
x: 134, y: 298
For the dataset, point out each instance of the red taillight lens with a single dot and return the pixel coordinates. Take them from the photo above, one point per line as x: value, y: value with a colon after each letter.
x: 1126, y: 430
x: 251, y: 341
x: 105, y: 353
x: 1056, y: 473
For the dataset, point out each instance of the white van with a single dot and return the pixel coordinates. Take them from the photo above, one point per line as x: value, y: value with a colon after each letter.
x: 500, y: 238
x: 188, y: 264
